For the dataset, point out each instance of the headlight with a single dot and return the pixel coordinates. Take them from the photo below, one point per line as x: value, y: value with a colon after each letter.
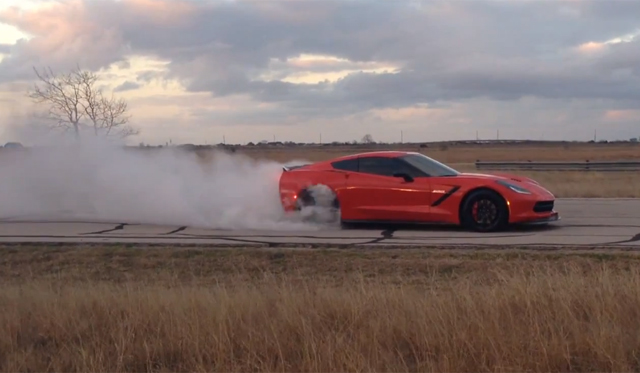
x: 513, y: 187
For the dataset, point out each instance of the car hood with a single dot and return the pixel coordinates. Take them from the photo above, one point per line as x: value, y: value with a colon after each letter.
x: 500, y: 176
x: 518, y: 180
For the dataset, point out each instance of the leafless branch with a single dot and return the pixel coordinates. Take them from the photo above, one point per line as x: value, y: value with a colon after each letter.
x: 74, y: 99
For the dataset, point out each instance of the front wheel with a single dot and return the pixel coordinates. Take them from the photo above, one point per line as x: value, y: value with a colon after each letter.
x: 484, y: 211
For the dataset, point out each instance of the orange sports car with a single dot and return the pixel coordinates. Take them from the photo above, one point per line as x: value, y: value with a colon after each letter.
x: 408, y: 187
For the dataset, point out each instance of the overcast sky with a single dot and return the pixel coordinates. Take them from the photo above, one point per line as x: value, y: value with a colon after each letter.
x: 194, y: 71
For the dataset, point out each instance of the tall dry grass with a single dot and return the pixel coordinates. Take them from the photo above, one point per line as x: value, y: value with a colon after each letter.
x: 518, y: 314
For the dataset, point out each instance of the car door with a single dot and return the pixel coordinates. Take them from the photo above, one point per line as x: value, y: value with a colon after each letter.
x: 374, y: 193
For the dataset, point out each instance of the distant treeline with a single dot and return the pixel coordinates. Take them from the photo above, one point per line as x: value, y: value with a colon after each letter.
x: 290, y: 144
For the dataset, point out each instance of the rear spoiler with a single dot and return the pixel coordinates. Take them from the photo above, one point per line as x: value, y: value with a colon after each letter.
x: 291, y: 168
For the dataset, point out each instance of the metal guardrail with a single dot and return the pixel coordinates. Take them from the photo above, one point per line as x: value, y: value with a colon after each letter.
x: 561, y: 166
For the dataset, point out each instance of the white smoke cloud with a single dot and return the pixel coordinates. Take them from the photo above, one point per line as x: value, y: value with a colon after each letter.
x: 96, y: 180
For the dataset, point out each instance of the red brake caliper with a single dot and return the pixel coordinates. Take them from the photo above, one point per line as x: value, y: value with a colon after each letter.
x: 474, y: 211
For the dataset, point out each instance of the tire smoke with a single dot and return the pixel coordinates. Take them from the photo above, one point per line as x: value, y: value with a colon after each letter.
x: 323, y: 211
x: 94, y: 180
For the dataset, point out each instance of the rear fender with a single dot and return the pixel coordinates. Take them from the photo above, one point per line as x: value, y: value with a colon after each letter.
x: 293, y: 182
x: 289, y: 189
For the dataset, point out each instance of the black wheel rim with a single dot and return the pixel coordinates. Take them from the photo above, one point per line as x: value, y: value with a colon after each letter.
x: 485, y: 213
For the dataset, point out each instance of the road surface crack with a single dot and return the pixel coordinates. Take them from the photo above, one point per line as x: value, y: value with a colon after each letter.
x: 176, y: 230
x: 116, y: 228
x: 386, y: 234
x: 635, y: 238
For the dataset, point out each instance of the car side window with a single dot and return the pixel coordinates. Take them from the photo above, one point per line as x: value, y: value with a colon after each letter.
x: 346, y: 165
x: 384, y: 166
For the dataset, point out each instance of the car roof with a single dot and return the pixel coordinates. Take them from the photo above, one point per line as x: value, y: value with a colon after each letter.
x: 328, y: 162
x: 384, y: 154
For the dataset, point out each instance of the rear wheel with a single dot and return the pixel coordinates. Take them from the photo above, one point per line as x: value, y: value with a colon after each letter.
x: 484, y: 211
x: 305, y: 199
x: 318, y: 204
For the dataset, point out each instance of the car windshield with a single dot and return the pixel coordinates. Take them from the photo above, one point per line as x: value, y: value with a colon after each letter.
x: 429, y: 166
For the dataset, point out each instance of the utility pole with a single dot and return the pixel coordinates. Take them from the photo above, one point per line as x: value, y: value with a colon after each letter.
x: 401, y: 137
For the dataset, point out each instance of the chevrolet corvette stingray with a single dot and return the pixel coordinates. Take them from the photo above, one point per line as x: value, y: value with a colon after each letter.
x: 409, y: 187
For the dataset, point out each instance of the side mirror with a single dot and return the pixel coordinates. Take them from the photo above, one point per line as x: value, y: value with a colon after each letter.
x: 403, y: 175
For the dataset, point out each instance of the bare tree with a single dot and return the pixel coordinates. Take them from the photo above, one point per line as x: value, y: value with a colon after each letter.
x: 75, y: 102
x: 367, y: 139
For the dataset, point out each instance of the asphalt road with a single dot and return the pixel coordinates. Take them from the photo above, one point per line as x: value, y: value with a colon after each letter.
x: 584, y: 222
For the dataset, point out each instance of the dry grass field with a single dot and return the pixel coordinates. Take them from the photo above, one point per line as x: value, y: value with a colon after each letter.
x: 462, y: 157
x: 461, y: 153
x: 563, y: 184
x: 579, y: 184
x: 161, y: 309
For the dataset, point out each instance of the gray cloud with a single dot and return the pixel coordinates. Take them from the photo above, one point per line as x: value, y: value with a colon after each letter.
x: 149, y: 76
x: 450, y: 51
x: 447, y: 52
x: 126, y: 86
x: 5, y: 48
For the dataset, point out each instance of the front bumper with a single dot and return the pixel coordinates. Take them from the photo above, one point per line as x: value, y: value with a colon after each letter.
x: 553, y: 217
x: 533, y: 211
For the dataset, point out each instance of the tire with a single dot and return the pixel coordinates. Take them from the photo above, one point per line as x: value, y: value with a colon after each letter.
x: 484, y: 211
x: 305, y: 199
x: 327, y: 211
